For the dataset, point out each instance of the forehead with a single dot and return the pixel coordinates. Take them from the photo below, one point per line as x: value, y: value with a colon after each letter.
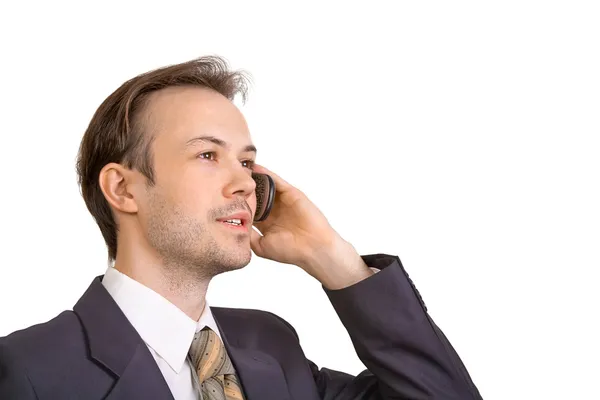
x: 177, y: 114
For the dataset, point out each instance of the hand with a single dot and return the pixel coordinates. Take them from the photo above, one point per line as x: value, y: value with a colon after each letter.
x: 295, y: 227
x: 296, y: 232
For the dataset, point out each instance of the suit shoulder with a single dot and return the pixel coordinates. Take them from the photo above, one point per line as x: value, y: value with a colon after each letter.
x: 255, y: 318
x: 47, y: 339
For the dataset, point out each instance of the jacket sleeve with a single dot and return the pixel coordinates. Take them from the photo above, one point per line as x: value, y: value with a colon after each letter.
x: 407, y: 356
x: 14, y: 383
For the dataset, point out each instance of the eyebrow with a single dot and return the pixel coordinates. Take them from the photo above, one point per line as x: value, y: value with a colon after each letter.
x: 217, y: 141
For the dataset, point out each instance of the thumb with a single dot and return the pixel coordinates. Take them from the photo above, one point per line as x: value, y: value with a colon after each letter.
x: 255, y: 242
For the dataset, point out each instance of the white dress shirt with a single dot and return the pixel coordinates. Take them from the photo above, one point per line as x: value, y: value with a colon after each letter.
x: 167, y: 331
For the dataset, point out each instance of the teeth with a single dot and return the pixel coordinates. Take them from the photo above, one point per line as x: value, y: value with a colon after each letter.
x: 234, y: 221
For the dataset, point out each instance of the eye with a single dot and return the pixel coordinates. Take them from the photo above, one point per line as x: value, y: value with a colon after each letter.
x: 249, y: 162
x: 208, y: 152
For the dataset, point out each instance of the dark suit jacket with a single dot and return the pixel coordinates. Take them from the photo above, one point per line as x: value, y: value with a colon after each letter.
x: 93, y: 352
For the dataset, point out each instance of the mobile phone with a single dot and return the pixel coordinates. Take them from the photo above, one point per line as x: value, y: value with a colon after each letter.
x: 265, y: 195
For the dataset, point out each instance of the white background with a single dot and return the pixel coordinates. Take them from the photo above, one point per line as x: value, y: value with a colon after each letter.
x: 461, y: 136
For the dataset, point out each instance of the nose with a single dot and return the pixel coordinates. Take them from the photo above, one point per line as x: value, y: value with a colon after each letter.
x: 241, y: 183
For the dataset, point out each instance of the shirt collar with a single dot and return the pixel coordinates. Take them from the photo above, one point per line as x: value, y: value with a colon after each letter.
x: 161, y: 324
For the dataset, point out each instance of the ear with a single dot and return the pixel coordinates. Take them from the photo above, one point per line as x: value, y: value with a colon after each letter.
x: 114, y: 182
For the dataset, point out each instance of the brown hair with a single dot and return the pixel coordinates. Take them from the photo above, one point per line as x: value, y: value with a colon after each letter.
x: 116, y: 134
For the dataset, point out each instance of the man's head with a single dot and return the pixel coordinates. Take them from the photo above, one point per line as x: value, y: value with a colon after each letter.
x: 153, y: 186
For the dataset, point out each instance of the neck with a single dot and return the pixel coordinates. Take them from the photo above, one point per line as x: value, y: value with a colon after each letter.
x: 176, y: 283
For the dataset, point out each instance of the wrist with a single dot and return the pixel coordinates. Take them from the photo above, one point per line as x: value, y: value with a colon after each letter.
x: 338, y: 265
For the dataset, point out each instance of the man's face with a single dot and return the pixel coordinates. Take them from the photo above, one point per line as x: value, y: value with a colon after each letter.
x: 197, y: 181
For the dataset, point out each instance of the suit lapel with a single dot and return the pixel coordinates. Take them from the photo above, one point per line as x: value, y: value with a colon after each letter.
x: 141, y: 379
x: 115, y: 344
x: 260, y: 374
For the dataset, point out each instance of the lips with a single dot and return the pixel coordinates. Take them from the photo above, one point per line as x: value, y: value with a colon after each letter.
x: 243, y: 216
x: 240, y: 228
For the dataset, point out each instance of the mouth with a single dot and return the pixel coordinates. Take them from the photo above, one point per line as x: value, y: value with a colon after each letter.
x: 237, y: 222
x: 242, y: 226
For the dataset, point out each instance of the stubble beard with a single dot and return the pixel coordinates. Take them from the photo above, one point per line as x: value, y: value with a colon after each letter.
x: 189, y: 251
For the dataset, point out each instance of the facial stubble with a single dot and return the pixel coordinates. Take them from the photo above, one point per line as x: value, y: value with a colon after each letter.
x: 187, y: 245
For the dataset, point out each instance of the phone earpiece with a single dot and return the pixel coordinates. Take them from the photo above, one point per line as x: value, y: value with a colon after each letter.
x: 265, y: 195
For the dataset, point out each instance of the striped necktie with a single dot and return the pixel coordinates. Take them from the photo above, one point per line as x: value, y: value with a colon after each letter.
x: 214, y: 368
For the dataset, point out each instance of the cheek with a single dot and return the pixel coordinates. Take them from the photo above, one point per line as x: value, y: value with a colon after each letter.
x: 252, y: 202
x: 195, y: 199
x: 189, y: 186
x: 200, y: 195
x: 187, y: 196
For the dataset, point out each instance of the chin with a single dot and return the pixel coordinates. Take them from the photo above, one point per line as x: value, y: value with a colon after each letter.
x: 235, y: 258
x: 244, y: 258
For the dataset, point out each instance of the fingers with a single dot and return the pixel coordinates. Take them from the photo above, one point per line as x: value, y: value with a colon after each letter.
x: 255, y: 238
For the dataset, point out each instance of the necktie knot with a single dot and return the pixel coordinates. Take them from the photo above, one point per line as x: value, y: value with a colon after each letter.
x: 209, y: 356
x: 213, y: 367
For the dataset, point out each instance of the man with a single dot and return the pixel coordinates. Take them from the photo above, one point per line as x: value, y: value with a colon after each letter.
x: 166, y: 160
